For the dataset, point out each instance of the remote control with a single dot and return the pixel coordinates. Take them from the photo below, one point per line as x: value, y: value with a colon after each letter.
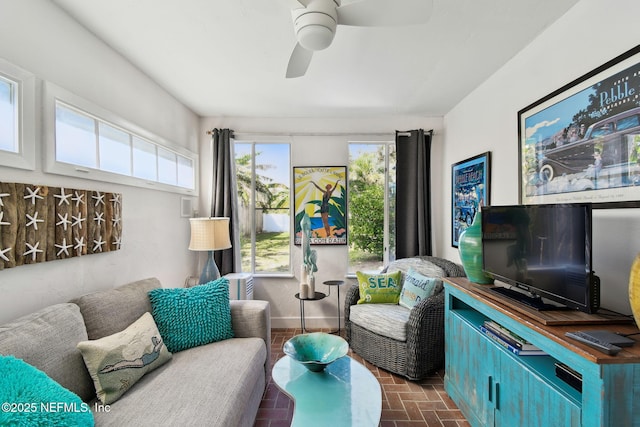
x: 602, y: 346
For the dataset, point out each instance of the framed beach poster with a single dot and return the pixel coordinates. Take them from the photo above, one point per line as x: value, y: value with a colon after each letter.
x: 581, y: 143
x: 321, y: 193
x: 470, y: 184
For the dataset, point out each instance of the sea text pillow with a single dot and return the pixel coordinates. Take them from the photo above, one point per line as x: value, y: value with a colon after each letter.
x: 379, y: 288
x: 189, y: 317
x: 417, y: 287
x: 116, y: 362
x: 31, y: 398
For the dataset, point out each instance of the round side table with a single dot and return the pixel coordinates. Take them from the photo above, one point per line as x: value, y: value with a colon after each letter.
x: 316, y: 297
x: 337, y: 284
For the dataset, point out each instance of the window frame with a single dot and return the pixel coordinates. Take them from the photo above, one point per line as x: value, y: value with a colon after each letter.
x: 386, y: 255
x: 26, y: 93
x: 55, y: 95
x: 265, y: 140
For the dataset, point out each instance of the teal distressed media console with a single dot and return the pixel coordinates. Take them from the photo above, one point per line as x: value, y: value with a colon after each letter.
x: 493, y: 386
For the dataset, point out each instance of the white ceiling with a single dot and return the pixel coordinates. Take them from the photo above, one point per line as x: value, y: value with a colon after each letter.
x: 229, y: 57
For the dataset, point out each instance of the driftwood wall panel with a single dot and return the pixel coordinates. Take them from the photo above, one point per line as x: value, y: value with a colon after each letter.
x: 40, y: 223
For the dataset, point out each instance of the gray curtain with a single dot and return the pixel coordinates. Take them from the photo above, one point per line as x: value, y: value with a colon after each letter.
x: 413, y: 193
x: 223, y: 197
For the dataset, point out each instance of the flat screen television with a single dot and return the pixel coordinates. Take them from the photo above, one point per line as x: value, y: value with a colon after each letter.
x: 544, y: 251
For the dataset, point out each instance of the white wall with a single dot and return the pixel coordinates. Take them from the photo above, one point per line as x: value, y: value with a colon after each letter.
x: 587, y: 36
x: 316, y: 151
x: 36, y: 36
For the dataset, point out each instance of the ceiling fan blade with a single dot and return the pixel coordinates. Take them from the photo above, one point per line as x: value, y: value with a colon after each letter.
x: 385, y: 13
x: 299, y: 62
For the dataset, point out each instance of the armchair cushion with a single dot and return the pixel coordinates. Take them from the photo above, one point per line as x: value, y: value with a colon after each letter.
x: 388, y: 320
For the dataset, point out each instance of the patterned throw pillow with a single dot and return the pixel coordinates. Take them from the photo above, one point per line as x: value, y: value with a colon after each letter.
x: 189, y: 317
x: 118, y: 361
x: 417, y: 287
x: 379, y: 288
x: 30, y: 398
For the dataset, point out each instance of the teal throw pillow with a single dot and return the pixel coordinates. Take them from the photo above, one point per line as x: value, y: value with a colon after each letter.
x: 417, y: 287
x: 30, y: 398
x: 189, y: 317
x: 379, y: 288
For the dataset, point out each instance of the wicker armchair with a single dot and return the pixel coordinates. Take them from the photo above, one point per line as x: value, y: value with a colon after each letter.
x: 423, y: 351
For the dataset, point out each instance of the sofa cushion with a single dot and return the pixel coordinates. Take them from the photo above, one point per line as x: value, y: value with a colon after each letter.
x: 47, y: 339
x: 416, y: 287
x: 209, y: 385
x: 389, y: 320
x: 189, y: 317
x: 41, y: 401
x: 118, y: 361
x: 111, y: 311
x: 379, y: 288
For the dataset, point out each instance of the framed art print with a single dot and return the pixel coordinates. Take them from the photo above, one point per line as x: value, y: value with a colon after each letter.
x: 321, y: 193
x: 581, y: 143
x: 470, y: 182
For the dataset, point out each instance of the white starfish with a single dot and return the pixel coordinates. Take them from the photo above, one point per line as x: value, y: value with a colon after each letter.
x: 77, y: 220
x: 115, y: 220
x: 33, y: 195
x: 99, y: 198
x: 99, y: 218
x: 97, y: 244
x: 64, y: 221
x: 1, y: 219
x: 3, y: 195
x: 79, y: 245
x: 116, y: 199
x: 64, y: 198
x: 33, y: 250
x: 117, y: 242
x: 3, y: 252
x: 33, y: 220
x: 77, y: 198
x: 63, y: 247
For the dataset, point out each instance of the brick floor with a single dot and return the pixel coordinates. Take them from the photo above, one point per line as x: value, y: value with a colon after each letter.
x: 404, y: 403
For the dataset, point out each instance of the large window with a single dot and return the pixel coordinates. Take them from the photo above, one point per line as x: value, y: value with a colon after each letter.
x: 98, y: 145
x: 263, y: 175
x: 372, y: 196
x: 17, y: 117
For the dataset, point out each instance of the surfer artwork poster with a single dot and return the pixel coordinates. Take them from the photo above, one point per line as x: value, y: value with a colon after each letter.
x: 321, y: 193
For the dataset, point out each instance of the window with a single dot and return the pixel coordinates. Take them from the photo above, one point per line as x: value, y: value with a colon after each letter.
x: 102, y: 146
x: 17, y: 117
x: 371, y: 205
x: 263, y: 175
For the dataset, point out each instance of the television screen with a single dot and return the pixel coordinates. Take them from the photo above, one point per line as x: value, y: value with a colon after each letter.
x: 544, y: 249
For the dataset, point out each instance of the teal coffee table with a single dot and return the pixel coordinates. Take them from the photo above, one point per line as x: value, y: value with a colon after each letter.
x: 344, y: 394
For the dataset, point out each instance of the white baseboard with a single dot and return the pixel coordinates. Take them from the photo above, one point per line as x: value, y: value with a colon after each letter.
x: 310, y: 322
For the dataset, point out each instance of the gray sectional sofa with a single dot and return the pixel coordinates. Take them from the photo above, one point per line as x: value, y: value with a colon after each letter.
x: 217, y: 384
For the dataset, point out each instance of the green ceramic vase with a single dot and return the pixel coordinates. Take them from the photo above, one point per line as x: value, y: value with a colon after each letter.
x: 470, y: 248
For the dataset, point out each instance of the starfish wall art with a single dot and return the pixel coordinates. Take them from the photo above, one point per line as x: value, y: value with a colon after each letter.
x: 40, y: 223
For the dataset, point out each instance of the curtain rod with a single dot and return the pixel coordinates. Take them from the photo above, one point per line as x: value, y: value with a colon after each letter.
x: 209, y: 132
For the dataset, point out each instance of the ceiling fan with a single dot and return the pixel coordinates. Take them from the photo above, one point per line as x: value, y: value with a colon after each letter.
x: 316, y: 21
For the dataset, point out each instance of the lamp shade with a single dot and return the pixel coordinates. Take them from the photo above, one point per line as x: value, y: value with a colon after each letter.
x: 209, y: 234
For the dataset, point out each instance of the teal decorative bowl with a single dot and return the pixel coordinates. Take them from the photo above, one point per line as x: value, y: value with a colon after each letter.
x: 316, y: 350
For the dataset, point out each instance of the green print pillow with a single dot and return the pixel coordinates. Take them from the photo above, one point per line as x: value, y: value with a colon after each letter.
x: 379, y: 288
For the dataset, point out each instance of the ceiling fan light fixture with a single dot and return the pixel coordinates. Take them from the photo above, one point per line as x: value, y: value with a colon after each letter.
x: 315, y: 37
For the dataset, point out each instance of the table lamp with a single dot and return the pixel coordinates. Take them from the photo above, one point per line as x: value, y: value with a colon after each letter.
x: 209, y: 234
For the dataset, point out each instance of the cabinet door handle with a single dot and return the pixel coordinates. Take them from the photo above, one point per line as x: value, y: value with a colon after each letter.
x: 497, y: 396
x: 490, y: 383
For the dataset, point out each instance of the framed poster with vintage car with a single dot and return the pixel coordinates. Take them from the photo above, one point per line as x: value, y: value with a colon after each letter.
x: 581, y: 143
x: 470, y: 187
